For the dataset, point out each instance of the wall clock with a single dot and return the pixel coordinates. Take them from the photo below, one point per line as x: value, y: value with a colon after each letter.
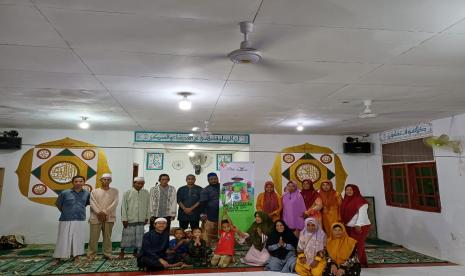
x: 178, y: 165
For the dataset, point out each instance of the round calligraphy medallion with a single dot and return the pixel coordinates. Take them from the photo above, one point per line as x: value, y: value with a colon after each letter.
x: 43, y: 153
x: 39, y: 189
x: 288, y: 158
x: 63, y: 172
x: 88, y: 154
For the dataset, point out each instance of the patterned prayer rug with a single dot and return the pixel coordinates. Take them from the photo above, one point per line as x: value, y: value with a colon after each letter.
x: 37, y: 260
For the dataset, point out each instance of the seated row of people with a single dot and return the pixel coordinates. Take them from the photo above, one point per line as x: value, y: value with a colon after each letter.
x: 186, y: 250
x: 273, y: 245
x: 278, y: 249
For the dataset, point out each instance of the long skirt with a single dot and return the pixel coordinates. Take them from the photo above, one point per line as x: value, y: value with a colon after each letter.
x: 286, y: 265
x: 133, y: 235
x: 352, y: 271
x: 361, y: 238
x: 70, y: 240
x: 254, y: 257
x: 329, y: 216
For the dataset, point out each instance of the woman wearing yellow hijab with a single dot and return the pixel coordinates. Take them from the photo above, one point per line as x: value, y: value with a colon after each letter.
x: 342, y: 253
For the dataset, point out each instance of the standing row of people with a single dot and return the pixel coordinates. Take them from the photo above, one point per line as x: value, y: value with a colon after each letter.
x: 325, y: 206
x: 138, y: 208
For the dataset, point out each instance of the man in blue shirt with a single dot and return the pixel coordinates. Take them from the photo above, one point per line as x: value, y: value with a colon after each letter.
x: 210, y: 203
x: 72, y: 205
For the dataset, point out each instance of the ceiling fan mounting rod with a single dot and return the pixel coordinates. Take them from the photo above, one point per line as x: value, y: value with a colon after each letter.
x: 246, y: 28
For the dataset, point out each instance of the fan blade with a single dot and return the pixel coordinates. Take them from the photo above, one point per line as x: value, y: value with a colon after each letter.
x: 430, y: 141
x: 456, y: 146
x: 271, y: 63
x: 444, y: 138
x: 262, y: 42
x: 265, y: 37
x: 214, y: 58
x: 282, y: 70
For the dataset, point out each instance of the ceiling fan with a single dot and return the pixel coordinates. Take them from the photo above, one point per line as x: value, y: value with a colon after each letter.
x: 202, y: 132
x: 252, y: 54
x: 368, y: 112
x: 246, y: 53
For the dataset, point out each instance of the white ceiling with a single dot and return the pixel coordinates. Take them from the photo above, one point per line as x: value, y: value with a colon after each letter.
x: 122, y: 63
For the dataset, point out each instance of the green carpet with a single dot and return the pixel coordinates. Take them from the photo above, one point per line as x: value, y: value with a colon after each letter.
x: 378, y: 242
x: 32, y: 252
x: 398, y: 255
x: 36, y: 260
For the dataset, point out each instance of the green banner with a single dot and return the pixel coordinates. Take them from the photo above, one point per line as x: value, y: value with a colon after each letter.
x: 237, y: 193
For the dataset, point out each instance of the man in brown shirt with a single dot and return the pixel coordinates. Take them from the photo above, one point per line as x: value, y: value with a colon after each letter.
x: 103, y: 203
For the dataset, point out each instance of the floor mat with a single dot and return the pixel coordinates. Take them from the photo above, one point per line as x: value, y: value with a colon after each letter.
x: 398, y: 255
x: 37, y: 260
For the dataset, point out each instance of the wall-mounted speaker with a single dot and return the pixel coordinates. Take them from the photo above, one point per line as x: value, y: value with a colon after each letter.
x: 10, y: 142
x: 357, y: 147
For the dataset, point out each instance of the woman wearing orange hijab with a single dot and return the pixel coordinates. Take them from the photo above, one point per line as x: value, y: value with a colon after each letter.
x: 342, y: 253
x: 270, y: 202
x: 331, y: 202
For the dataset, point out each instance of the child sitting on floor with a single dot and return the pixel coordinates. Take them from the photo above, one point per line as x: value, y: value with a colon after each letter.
x: 188, y: 233
x: 198, y: 250
x: 224, y: 251
x: 177, y: 247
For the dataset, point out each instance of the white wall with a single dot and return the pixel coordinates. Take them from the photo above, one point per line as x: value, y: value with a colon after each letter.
x: 441, y: 235
x: 178, y: 177
x: 17, y: 213
x: 38, y: 223
x: 358, y: 166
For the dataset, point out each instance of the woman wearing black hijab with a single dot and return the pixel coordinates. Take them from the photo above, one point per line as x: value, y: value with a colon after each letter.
x: 281, y: 244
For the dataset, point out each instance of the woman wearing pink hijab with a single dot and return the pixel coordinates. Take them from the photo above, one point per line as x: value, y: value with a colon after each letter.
x: 293, y: 208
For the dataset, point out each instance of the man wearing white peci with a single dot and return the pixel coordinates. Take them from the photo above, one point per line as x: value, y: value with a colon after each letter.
x: 103, y: 203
